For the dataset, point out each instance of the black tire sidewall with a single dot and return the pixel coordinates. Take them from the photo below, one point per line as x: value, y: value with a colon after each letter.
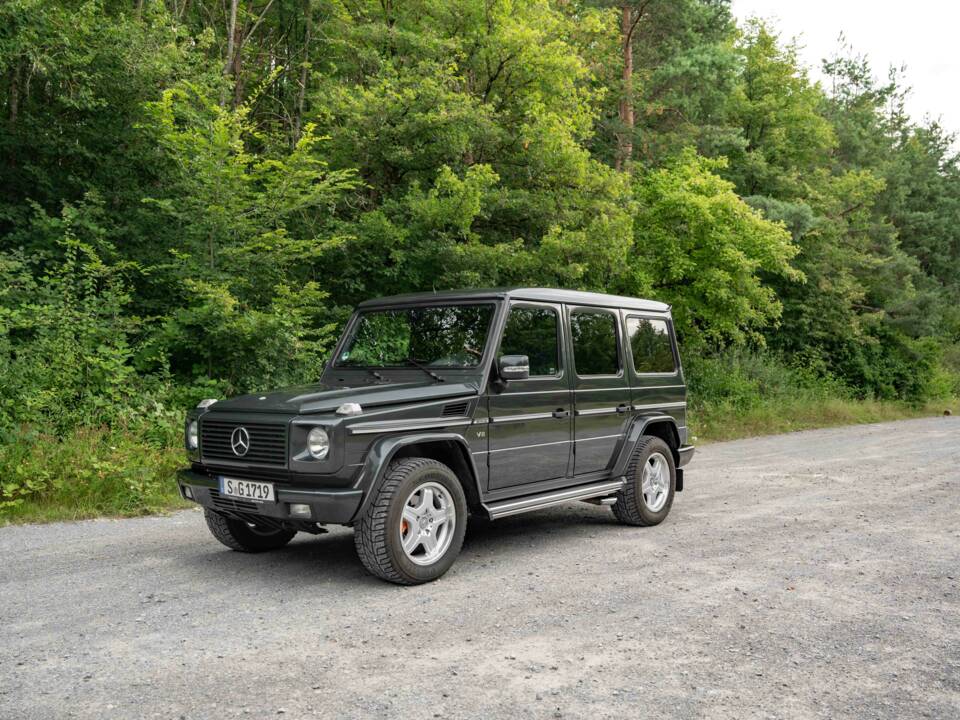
x: 441, y: 474
x: 240, y: 537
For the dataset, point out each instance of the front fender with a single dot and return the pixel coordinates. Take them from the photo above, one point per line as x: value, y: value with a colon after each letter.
x: 383, y: 451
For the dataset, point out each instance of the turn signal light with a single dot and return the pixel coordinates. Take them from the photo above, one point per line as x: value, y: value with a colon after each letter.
x: 301, y: 510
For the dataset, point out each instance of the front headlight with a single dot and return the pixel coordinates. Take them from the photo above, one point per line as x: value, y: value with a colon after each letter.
x: 193, y: 435
x: 318, y: 443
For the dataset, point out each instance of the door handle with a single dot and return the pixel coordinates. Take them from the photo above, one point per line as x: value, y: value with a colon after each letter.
x: 561, y: 413
x: 622, y: 408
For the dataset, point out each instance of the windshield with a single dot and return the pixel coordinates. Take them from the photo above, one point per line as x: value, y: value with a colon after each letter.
x: 439, y: 336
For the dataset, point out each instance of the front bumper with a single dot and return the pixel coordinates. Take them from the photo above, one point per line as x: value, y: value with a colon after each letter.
x: 337, y: 506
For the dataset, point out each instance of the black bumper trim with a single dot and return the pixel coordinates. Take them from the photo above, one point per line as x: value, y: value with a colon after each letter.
x: 685, y: 453
x: 328, y: 506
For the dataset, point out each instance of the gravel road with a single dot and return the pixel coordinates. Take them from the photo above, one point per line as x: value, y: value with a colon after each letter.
x: 808, y: 575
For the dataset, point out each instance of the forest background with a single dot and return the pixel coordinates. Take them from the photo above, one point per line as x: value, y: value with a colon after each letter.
x: 194, y: 193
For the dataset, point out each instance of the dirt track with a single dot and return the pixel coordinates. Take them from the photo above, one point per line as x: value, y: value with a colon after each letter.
x: 807, y: 575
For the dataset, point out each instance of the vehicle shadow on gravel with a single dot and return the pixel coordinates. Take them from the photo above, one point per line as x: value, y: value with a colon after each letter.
x: 536, y: 528
x: 305, y: 560
x: 332, y: 556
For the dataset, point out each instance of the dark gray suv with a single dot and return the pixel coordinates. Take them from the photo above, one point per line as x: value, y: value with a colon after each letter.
x: 437, y: 406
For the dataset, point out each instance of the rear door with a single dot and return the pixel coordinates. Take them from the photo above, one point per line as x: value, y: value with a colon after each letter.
x: 530, y: 421
x: 600, y: 385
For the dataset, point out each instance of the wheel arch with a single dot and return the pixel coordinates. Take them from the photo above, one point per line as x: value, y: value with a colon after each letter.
x: 662, y: 426
x: 449, y: 448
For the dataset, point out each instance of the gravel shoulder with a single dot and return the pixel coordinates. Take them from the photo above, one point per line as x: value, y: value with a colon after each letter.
x: 815, y: 574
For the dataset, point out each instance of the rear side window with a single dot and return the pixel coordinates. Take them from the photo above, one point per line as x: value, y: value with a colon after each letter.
x: 594, y: 335
x: 650, y: 345
x: 533, y: 331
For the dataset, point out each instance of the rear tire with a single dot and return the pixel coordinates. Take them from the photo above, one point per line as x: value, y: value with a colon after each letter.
x: 238, y: 535
x: 413, y: 528
x: 647, y: 497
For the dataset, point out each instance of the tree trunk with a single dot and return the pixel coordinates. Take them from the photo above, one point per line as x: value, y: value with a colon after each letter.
x: 237, y: 69
x: 304, y: 72
x: 228, y: 65
x: 14, y: 94
x: 625, y: 136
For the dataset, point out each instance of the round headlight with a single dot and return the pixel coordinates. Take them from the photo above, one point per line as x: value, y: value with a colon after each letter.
x: 318, y: 443
x: 193, y: 436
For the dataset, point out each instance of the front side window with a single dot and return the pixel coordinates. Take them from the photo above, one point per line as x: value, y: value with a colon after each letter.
x: 440, y: 336
x: 594, y: 342
x: 533, y: 331
x: 650, y: 345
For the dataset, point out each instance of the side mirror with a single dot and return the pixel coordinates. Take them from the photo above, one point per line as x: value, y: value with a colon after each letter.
x: 514, y: 367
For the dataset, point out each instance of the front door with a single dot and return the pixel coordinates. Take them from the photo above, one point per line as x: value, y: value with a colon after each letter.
x: 601, y: 388
x: 530, y: 421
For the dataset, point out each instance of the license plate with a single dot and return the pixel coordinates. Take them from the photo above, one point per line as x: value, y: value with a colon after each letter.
x: 247, y: 489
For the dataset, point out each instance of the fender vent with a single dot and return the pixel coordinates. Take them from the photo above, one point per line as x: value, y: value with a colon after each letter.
x: 453, y: 409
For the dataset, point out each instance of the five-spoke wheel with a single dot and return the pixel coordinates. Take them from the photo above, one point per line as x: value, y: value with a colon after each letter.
x: 428, y: 523
x: 655, y: 482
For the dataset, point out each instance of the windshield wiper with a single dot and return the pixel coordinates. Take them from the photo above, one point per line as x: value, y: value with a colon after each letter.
x: 428, y: 371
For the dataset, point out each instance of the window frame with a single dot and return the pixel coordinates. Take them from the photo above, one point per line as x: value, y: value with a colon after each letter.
x: 561, y: 364
x: 617, y: 331
x: 671, y: 338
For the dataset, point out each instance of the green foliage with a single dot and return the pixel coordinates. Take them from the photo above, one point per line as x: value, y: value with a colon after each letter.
x: 87, y: 472
x: 178, y: 222
x: 704, y: 249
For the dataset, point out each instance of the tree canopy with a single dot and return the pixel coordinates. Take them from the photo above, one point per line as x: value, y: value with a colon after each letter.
x: 193, y: 194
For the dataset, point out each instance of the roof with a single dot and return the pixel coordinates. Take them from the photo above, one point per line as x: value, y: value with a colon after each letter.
x: 554, y: 295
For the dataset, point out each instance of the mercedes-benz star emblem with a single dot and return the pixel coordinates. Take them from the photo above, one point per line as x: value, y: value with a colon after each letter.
x: 240, y: 441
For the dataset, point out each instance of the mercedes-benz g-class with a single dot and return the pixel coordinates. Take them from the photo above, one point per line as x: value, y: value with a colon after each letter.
x: 440, y: 405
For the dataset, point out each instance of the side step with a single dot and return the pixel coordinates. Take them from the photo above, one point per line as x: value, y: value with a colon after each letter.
x: 505, y: 508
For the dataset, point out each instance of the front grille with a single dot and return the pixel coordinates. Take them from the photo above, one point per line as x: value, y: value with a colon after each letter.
x: 233, y: 504
x: 268, y: 442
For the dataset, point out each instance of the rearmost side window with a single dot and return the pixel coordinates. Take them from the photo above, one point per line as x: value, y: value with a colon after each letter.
x: 650, y: 345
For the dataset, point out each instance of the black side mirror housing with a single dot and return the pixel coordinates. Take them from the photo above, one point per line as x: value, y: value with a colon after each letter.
x: 514, y: 367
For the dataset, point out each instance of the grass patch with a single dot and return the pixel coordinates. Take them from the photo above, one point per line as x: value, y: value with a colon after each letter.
x: 736, y: 395
x: 726, y: 422
x: 91, y: 472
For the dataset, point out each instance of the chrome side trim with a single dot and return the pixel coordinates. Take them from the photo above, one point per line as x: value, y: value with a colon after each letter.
x: 624, y: 388
x: 524, y: 447
x: 599, y: 437
x: 597, y: 411
x: 661, y: 406
x: 521, y: 418
x: 402, y: 425
x: 515, y: 507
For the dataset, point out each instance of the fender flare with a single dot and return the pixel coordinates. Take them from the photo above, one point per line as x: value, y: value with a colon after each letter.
x: 635, y: 431
x: 383, y: 450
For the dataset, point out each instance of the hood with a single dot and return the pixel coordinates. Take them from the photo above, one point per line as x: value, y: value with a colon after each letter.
x: 321, y: 398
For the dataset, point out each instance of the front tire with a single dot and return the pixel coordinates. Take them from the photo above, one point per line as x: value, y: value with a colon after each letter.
x: 647, y: 497
x: 238, y: 535
x: 413, y: 528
